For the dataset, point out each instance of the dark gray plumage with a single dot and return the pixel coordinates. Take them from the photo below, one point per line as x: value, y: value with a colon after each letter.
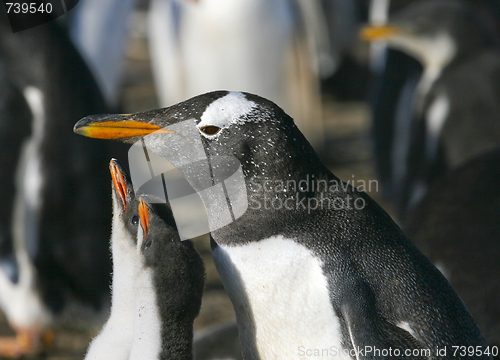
x: 178, y: 280
x: 456, y: 225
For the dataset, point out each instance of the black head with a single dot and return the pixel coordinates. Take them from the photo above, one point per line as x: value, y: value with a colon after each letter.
x: 177, y: 266
x: 125, y: 203
x: 201, y: 133
x: 252, y: 129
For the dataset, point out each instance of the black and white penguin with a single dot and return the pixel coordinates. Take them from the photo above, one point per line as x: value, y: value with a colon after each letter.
x: 55, y: 216
x: 456, y: 226
x: 313, y: 267
x: 168, y: 284
x: 115, y: 339
x: 446, y: 113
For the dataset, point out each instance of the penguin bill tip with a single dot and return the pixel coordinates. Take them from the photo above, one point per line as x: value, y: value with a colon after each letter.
x: 144, y: 216
x: 119, y: 182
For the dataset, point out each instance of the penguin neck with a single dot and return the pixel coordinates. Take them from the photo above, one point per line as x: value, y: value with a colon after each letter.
x: 435, y: 55
x: 290, y: 158
x: 161, y: 330
x: 176, y: 315
x: 122, y: 247
x: 147, y: 342
x: 279, y: 185
x: 115, y: 338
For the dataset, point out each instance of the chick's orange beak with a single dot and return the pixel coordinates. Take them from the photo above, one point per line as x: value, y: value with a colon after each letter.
x: 119, y: 183
x: 144, y: 216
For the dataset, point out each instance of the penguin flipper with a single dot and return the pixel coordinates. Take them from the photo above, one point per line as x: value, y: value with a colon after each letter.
x: 380, y: 337
x: 366, y: 328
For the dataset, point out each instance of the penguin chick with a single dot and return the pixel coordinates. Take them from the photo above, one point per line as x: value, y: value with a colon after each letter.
x: 115, y: 339
x: 168, y: 286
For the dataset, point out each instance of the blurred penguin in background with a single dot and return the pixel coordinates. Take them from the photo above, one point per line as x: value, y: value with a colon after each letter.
x: 456, y: 225
x: 272, y: 48
x: 438, y: 84
x: 99, y: 31
x: 395, y: 76
x: 436, y: 133
x: 55, y: 218
x: 279, y: 49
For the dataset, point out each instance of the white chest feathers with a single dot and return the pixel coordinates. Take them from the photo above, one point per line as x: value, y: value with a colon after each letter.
x: 281, y: 299
x: 115, y: 339
x: 147, y: 322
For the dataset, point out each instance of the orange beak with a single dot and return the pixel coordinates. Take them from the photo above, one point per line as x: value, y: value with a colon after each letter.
x: 380, y: 32
x: 119, y: 183
x: 113, y: 130
x: 144, y: 216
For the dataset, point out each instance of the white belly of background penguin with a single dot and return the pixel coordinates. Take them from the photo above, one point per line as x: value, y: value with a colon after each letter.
x: 282, y: 284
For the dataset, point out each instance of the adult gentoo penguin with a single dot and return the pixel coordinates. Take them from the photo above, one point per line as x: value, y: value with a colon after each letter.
x: 115, y: 339
x: 453, y: 104
x: 168, y: 284
x: 311, y: 269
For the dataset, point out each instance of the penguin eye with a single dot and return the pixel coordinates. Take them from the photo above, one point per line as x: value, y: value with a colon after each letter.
x: 149, y: 243
x: 135, y: 220
x: 210, y: 130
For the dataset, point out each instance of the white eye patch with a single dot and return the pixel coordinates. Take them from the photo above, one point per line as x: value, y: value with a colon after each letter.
x: 225, y: 111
